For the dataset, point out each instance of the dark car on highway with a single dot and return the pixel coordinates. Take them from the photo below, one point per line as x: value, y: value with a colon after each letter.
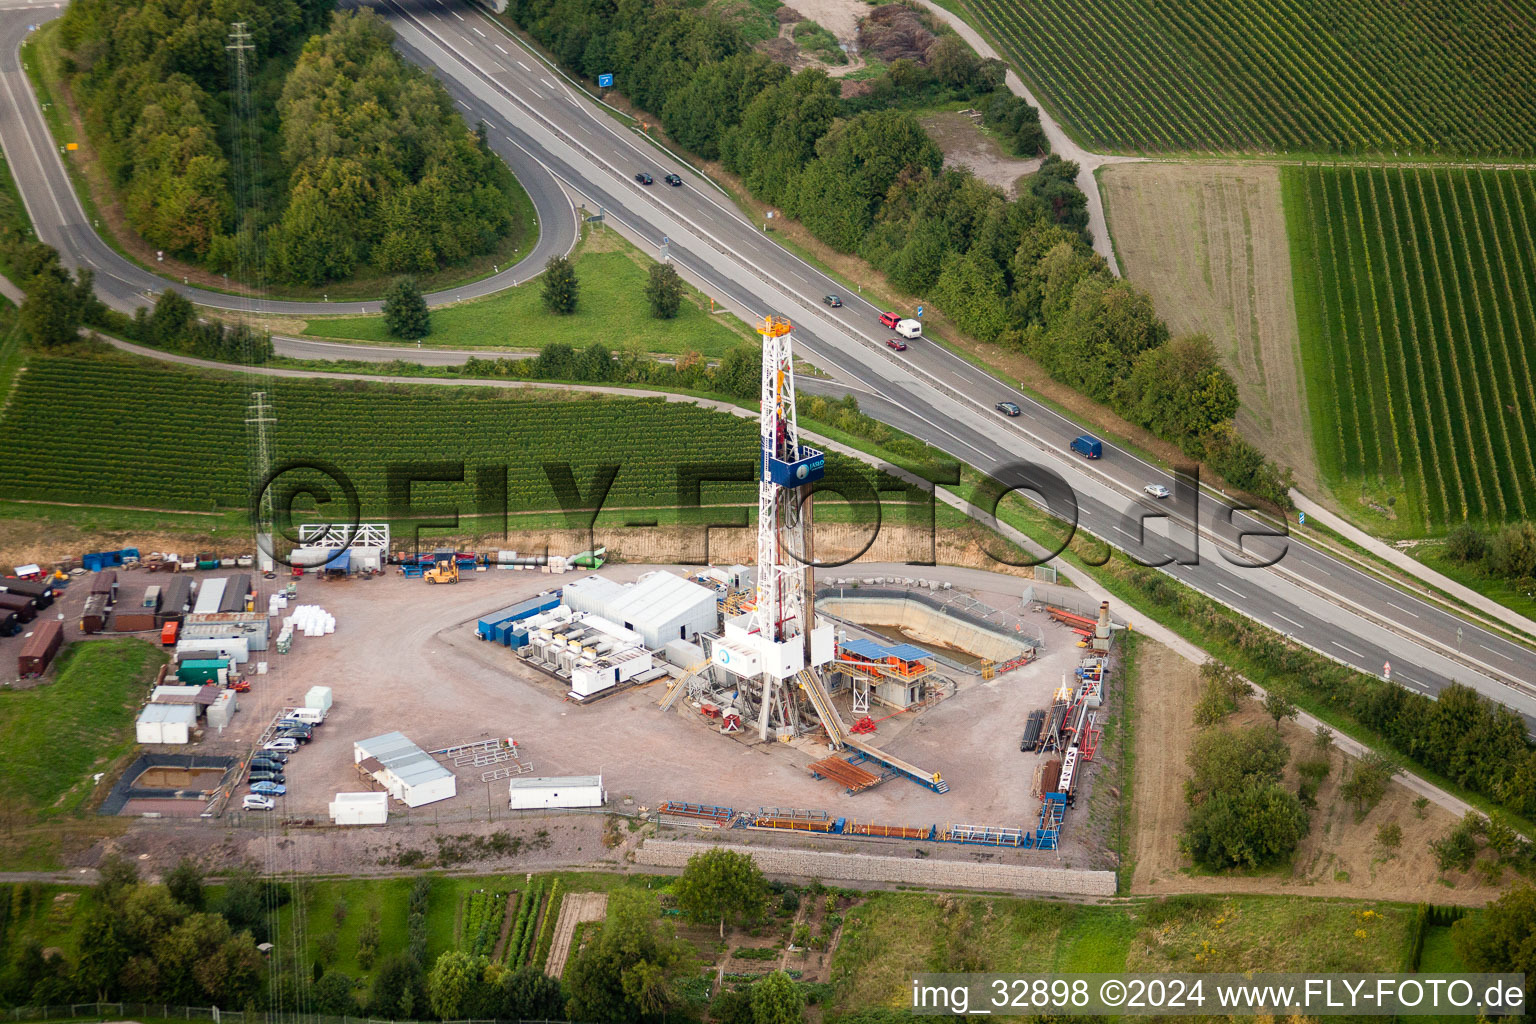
x: 673, y: 179
x: 832, y: 300
x: 1008, y: 408
x: 897, y: 344
x: 643, y: 178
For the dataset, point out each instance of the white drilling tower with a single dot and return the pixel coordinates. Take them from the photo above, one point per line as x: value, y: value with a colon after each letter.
x: 778, y: 639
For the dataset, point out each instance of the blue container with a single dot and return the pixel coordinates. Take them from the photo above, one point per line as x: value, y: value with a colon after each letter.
x: 808, y: 468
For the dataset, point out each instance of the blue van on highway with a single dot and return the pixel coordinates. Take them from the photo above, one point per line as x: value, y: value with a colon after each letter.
x: 1088, y: 446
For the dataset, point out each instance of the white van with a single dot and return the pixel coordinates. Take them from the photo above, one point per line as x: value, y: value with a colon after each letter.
x: 309, y: 716
x: 909, y: 328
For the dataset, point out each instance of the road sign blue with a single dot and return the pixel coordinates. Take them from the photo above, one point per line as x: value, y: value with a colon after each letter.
x: 605, y: 81
x: 919, y: 310
x: 1303, y: 518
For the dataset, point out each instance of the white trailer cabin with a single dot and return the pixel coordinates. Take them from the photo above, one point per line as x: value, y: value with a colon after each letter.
x: 360, y: 809
x: 551, y: 791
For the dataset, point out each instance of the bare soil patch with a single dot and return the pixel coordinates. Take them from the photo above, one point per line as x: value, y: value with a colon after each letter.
x: 1208, y: 242
x: 966, y: 145
x: 1339, y: 856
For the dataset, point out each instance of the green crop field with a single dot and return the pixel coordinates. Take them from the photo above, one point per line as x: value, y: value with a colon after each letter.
x: 1318, y: 76
x: 1414, y: 296
x: 106, y: 432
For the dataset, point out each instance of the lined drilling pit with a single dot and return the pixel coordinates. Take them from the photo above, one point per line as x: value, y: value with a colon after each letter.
x: 925, y: 619
x: 172, y: 785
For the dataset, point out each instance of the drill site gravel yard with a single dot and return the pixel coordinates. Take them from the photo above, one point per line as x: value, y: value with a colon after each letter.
x: 405, y: 656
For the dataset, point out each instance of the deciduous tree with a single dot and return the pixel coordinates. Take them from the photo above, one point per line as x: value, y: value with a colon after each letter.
x: 722, y: 885
x: 664, y: 291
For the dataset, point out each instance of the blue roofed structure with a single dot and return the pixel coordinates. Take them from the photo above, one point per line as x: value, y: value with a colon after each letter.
x: 878, y: 652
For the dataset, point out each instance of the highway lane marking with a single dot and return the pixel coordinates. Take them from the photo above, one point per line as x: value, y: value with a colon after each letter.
x: 463, y: 104
x: 482, y: 36
x: 525, y: 67
x: 1400, y: 608
x: 504, y: 53
x: 456, y: 14
x: 548, y: 84
x: 1292, y: 621
x: 1497, y: 654
x: 1228, y: 589
x: 1343, y: 648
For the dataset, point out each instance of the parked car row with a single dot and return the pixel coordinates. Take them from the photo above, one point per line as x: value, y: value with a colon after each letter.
x: 267, y: 778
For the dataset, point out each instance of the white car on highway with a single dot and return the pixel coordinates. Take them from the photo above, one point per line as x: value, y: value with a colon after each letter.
x: 1157, y: 490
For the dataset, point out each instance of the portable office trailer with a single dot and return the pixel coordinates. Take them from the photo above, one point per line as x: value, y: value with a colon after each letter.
x: 360, y: 809
x: 209, y: 596
x: 95, y: 614
x: 196, y: 671
x: 568, y: 791
x: 253, y: 627
x: 407, y: 772
x: 10, y: 625
x: 237, y: 593
x: 213, y: 647
x: 38, y: 648
x: 175, y: 598
x: 24, y: 607
x: 106, y: 583
x: 40, y: 591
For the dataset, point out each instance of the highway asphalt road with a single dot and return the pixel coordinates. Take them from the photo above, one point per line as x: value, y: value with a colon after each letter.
x: 535, y: 115
x: 59, y: 219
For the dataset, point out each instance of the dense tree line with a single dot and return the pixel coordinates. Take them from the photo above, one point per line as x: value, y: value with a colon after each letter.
x: 1460, y: 734
x: 738, y: 374
x: 862, y: 175
x: 173, y: 325
x: 362, y: 162
x: 143, y: 942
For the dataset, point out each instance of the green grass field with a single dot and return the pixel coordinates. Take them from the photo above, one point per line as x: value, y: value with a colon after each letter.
x: 57, y: 735
x: 893, y: 936
x: 1427, y: 77
x: 611, y: 311
x: 1414, y: 297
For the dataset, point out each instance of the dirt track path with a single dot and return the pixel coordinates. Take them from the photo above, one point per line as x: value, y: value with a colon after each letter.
x: 1061, y: 143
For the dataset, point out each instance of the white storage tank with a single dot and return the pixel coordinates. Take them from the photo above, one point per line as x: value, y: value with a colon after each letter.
x: 568, y: 791
x: 318, y: 697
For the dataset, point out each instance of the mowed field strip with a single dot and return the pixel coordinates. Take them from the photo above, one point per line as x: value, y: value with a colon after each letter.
x: 1208, y: 243
x: 1318, y: 76
x: 1418, y: 332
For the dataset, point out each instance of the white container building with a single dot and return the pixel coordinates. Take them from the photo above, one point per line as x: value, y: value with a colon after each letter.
x: 319, y: 698
x: 568, y: 791
x: 407, y: 773
x: 660, y: 606
x: 166, y: 723
x: 360, y: 809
